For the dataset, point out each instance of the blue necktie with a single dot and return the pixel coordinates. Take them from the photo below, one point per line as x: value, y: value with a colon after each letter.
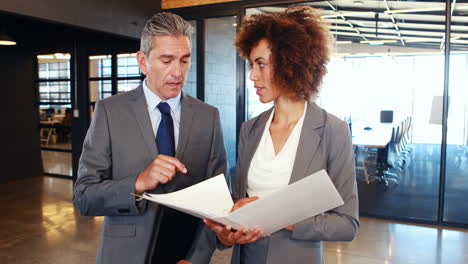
x: 165, y: 134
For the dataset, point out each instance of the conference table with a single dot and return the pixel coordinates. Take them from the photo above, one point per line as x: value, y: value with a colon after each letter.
x: 367, y: 137
x: 371, y: 135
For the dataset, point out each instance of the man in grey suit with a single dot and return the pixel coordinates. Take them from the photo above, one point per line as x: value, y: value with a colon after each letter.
x: 154, y: 139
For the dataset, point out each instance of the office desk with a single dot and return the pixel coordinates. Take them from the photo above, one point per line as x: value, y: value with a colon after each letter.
x: 46, y: 132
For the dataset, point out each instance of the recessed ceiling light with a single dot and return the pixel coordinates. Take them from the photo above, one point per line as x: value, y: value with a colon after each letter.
x: 7, y: 42
x: 378, y: 42
x: 49, y: 56
x: 340, y: 42
x: 357, y: 2
x: 348, y: 14
x: 371, y: 24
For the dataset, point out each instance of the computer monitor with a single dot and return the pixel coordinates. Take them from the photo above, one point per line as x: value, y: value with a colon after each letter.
x: 386, y: 116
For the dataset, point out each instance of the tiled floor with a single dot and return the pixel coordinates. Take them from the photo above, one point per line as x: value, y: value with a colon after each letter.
x: 38, y: 224
x: 57, y: 162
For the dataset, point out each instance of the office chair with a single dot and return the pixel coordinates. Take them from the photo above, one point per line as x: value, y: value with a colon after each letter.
x: 381, y: 163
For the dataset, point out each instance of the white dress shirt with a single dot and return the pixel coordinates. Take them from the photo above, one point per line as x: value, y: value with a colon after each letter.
x: 152, y: 100
x: 269, y: 171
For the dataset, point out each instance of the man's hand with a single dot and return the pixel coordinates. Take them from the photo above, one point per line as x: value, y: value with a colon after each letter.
x: 161, y: 170
x: 184, y: 262
x: 230, y: 237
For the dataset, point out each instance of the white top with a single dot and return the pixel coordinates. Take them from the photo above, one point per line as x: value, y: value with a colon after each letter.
x: 152, y: 100
x: 269, y: 172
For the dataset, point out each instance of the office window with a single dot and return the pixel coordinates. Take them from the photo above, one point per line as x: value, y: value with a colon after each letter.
x: 54, y: 80
x: 127, y: 66
x: 128, y: 72
x: 110, y: 74
x: 99, y: 89
x: 100, y: 73
x: 124, y: 85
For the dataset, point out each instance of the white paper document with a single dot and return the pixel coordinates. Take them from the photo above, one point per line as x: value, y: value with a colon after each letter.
x: 211, y: 199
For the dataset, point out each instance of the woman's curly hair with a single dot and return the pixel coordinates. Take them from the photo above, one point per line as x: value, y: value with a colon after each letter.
x: 298, y: 40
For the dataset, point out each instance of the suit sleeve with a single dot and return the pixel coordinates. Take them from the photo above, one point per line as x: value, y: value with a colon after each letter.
x: 236, y: 182
x: 95, y: 192
x: 204, y: 243
x: 341, y: 223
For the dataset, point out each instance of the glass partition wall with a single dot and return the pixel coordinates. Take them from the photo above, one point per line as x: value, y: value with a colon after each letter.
x: 220, y: 76
x: 386, y: 79
x: 190, y: 87
x: 456, y: 165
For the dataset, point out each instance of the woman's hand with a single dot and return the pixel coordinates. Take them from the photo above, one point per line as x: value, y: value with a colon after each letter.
x: 290, y: 228
x: 228, y: 236
x: 243, y: 202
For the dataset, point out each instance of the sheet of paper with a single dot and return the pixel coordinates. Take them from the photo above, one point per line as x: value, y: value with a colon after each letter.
x: 305, y: 198
x: 208, y: 199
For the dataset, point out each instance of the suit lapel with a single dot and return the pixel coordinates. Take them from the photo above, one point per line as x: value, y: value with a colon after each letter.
x: 139, y: 108
x: 253, y: 139
x: 308, y: 142
x: 186, y: 120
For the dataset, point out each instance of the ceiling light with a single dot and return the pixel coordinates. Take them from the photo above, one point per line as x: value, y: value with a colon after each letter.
x: 50, y: 56
x: 339, y: 14
x: 99, y: 57
x: 371, y: 24
x: 375, y: 42
x: 6, y: 39
x: 412, y: 40
x: 62, y: 56
x: 378, y: 42
x: 414, y: 10
x: 7, y: 42
x: 124, y: 55
x: 344, y: 42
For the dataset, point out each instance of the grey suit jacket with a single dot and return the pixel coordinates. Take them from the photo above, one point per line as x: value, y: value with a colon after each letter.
x: 325, y: 143
x: 120, y: 143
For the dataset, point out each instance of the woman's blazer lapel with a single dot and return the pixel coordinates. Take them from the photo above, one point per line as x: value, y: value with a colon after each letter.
x: 251, y: 134
x: 308, y: 144
x: 309, y: 141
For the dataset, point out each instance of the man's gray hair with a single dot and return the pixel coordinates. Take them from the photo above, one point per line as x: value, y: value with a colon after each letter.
x: 163, y: 24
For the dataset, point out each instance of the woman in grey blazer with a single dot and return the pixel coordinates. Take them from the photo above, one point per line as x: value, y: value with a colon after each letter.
x: 287, y: 53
